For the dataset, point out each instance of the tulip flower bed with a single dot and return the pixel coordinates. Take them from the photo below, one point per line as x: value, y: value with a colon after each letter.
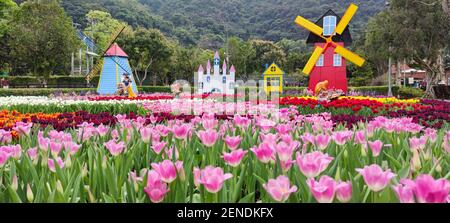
x: 350, y: 105
x: 48, y: 105
x: 173, y: 158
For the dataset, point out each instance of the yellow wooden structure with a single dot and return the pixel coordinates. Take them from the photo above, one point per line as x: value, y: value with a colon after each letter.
x: 273, y: 79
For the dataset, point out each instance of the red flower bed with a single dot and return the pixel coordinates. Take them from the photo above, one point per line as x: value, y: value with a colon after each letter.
x: 354, y: 104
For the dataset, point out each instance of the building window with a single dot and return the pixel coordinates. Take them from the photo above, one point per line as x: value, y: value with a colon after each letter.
x: 329, y: 25
x: 208, y: 79
x: 320, y: 61
x: 337, y: 60
x: 224, y: 79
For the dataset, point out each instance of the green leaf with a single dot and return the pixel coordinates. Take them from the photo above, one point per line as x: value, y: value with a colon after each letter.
x: 250, y: 198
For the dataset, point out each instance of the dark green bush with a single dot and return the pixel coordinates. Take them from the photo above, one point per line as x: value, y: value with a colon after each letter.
x: 52, y: 81
x: 42, y: 91
x: 22, y: 81
x: 407, y: 92
x: 374, y: 90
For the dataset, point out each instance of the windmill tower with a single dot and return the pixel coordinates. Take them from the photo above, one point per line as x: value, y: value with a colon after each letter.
x: 115, y: 63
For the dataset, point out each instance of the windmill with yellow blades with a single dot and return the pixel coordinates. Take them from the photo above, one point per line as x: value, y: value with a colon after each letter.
x: 330, y: 34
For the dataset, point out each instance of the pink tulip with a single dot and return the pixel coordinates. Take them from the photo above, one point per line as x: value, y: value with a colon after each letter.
x: 234, y: 158
x: 181, y: 131
x: 158, y: 146
x: 417, y: 143
x: 279, y: 188
x: 241, y: 122
x: 146, y: 134
x: 344, y: 192
x: 212, y: 178
x: 264, y: 152
x: 156, y: 190
x: 180, y: 170
x: 208, y: 137
x: 115, y: 148
x: 266, y: 125
x: 3, y: 158
x: 51, y: 164
x: 308, y: 138
x: 376, y: 147
x: 162, y: 130
x: 269, y: 138
x: 405, y: 193
x: 324, y: 190
x: 32, y: 153
x: 72, y: 147
x: 284, y: 151
x: 375, y: 178
x: 102, y: 130
x: 23, y: 128
x: 342, y: 137
x: 166, y: 170
x: 209, y: 124
x: 431, y: 134
x: 169, y: 152
x: 55, y: 148
x: 283, y: 129
x: 14, y: 151
x: 312, y: 164
x: 287, y: 139
x: 115, y: 134
x: 360, y: 137
x: 322, y: 141
x: 429, y: 190
x: 43, y: 143
x: 233, y: 142
x: 5, y: 136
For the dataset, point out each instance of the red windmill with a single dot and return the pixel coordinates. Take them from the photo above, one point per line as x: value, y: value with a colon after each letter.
x: 330, y: 34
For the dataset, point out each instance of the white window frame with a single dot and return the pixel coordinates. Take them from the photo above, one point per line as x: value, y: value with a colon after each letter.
x: 337, y: 60
x: 329, y: 25
x: 320, y: 61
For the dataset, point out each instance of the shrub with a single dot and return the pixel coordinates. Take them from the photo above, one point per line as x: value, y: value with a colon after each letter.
x: 407, y: 92
x: 42, y: 91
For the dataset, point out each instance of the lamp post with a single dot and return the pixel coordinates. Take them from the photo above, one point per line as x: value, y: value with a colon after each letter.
x: 388, y: 4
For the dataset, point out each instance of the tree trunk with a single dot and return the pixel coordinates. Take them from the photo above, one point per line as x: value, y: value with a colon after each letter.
x: 145, y: 75
x: 446, y: 7
x: 435, y: 71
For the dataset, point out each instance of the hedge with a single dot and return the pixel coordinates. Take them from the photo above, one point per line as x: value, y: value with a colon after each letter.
x: 42, y: 91
x: 66, y: 81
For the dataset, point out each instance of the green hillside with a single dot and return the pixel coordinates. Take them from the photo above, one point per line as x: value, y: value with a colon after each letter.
x: 193, y: 21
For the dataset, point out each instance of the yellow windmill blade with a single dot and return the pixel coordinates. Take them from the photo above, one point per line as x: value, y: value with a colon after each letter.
x: 350, y: 56
x: 313, y: 60
x: 309, y: 25
x: 345, y: 20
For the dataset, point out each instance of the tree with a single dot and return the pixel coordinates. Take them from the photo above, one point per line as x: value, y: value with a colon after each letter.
x: 148, y: 49
x: 240, y: 54
x: 266, y: 52
x: 7, y: 8
x: 376, y: 45
x: 420, y: 32
x: 42, y: 38
x: 101, y: 25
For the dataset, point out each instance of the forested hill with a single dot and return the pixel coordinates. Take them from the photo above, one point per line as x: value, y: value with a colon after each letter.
x: 191, y: 21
